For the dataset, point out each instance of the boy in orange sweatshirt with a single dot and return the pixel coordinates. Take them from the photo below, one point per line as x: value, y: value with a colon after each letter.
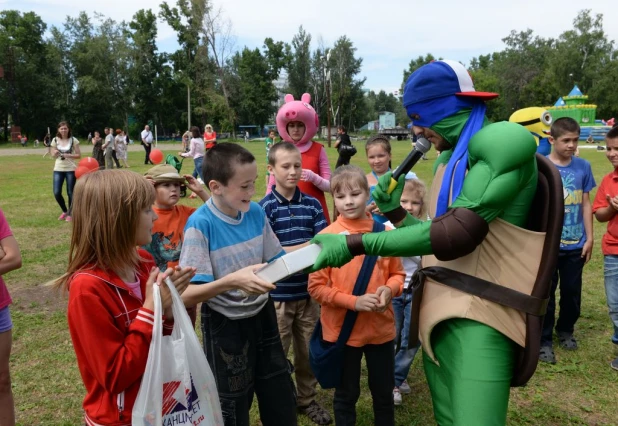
x: 374, y: 330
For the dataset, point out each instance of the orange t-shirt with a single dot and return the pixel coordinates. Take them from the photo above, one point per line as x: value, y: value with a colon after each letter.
x: 332, y: 288
x: 168, y: 234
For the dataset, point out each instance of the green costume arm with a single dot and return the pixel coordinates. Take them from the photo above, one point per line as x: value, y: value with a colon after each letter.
x: 501, y: 182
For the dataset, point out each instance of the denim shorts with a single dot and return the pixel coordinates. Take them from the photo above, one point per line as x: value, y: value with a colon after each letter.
x: 5, y: 320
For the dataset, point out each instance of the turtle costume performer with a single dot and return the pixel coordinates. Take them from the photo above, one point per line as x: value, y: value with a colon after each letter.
x: 487, y: 261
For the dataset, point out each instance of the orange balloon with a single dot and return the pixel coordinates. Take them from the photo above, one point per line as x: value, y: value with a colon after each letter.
x: 81, y: 170
x: 156, y: 156
x: 89, y: 163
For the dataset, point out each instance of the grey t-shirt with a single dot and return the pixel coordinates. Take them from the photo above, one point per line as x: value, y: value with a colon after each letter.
x: 218, y: 245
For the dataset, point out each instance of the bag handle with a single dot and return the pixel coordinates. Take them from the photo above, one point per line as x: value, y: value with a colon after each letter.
x: 359, y: 289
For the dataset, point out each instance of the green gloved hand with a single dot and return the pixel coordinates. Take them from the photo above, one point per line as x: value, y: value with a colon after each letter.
x: 388, y: 202
x: 335, y: 252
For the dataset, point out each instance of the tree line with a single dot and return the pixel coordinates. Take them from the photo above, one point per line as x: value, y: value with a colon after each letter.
x: 96, y: 72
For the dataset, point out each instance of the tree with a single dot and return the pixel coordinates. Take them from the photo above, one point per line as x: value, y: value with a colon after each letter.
x: 23, y: 52
x: 146, y: 66
x: 346, y: 90
x: 299, y: 64
x: 255, y: 73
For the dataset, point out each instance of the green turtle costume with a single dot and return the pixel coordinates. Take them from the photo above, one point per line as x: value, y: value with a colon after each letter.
x: 482, y: 281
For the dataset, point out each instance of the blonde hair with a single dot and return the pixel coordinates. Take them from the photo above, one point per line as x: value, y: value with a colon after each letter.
x: 419, y: 188
x: 208, y: 126
x: 107, y: 206
x: 348, y: 178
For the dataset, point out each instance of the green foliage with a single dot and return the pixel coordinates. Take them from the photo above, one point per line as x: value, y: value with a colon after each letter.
x: 299, y: 64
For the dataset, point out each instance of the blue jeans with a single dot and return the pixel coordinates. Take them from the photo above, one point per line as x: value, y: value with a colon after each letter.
x: 402, y: 307
x: 198, y: 167
x: 59, y: 178
x: 611, y: 291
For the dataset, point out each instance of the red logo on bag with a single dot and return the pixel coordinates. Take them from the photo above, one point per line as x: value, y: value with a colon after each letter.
x: 174, y: 393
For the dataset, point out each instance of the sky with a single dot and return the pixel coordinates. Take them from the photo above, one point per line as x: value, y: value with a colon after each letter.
x: 387, y: 34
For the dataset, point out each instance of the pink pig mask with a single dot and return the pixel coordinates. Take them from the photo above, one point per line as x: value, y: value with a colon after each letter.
x: 297, y: 111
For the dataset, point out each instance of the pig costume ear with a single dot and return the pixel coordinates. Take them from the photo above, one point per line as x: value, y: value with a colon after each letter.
x: 297, y: 111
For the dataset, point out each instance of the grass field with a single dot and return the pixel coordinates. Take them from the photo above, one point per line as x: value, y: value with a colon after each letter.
x: 580, y: 390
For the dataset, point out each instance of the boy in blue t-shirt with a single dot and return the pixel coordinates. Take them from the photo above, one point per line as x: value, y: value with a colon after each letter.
x: 227, y: 240
x: 295, y: 218
x: 577, y: 237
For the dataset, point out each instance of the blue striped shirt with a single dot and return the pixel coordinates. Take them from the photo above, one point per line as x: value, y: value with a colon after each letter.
x: 294, y: 222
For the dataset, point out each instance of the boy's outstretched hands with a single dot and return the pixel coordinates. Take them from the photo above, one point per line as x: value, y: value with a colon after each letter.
x: 250, y: 283
x: 335, y: 252
x: 388, y: 202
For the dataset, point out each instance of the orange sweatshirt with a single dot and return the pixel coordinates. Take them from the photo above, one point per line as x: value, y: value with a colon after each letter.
x: 332, y: 288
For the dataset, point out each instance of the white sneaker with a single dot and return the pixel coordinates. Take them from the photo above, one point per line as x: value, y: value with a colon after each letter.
x: 397, y: 400
x: 200, y: 181
x: 404, y: 388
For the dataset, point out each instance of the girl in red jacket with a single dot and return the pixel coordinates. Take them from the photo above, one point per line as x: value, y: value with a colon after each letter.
x: 111, y: 308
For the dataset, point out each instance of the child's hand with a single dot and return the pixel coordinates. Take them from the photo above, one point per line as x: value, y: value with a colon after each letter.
x: 612, y: 201
x: 308, y: 176
x: 181, y: 277
x: 366, y: 303
x: 148, y: 298
x: 251, y: 283
x: 587, y: 250
x: 193, y: 184
x: 385, y: 295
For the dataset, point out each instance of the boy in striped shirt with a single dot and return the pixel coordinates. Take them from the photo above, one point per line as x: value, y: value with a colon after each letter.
x: 295, y: 218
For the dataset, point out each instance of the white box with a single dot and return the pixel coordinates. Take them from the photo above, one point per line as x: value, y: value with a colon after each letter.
x: 289, y: 264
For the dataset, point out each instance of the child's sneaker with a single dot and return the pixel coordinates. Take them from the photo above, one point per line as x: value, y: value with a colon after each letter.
x: 404, y: 388
x: 63, y: 216
x: 547, y: 355
x: 614, y: 364
x: 567, y: 341
x: 69, y: 218
x: 397, y: 400
x: 316, y: 413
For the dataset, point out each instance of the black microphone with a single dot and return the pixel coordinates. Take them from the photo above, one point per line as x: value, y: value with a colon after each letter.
x: 420, y: 148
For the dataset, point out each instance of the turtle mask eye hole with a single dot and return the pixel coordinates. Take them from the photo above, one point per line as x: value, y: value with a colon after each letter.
x: 546, y: 118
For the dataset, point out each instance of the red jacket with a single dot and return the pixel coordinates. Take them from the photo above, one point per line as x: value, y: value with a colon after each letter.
x: 111, y: 334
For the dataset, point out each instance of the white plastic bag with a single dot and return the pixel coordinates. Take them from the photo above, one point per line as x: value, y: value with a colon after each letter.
x: 178, y: 387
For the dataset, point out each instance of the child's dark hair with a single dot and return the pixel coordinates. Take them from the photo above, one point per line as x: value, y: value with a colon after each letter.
x: 613, y: 133
x: 378, y: 140
x: 348, y: 178
x: 220, y: 162
x: 280, y: 146
x: 564, y: 125
x: 341, y: 127
x: 195, y: 132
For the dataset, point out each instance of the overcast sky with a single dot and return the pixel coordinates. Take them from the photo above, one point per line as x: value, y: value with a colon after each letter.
x: 386, y: 33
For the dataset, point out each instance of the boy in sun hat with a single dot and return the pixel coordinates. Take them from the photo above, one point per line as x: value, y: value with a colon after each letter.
x: 469, y: 342
x: 168, y: 229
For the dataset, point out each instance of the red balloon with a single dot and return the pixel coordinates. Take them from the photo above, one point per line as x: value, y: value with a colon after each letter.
x: 156, y: 156
x: 89, y: 163
x: 81, y: 170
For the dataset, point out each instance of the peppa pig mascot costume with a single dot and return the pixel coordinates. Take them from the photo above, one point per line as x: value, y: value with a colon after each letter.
x: 315, y: 180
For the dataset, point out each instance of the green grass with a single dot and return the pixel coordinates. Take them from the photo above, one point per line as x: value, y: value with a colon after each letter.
x: 580, y: 390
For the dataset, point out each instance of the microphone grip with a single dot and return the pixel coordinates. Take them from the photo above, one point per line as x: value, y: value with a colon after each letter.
x: 404, y: 168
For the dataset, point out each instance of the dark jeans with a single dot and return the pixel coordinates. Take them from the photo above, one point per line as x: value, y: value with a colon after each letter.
x: 380, y: 361
x: 343, y: 161
x: 569, y: 273
x: 115, y: 159
x: 246, y: 357
x: 147, y: 148
x: 59, y: 178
